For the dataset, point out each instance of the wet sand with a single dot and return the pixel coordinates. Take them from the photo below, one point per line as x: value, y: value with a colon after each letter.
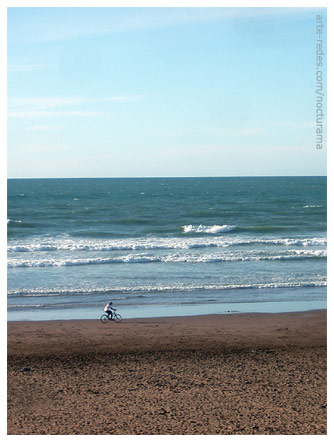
x: 215, y: 374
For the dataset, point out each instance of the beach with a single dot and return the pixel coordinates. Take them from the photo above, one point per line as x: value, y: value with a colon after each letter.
x: 148, y: 171
x: 211, y: 374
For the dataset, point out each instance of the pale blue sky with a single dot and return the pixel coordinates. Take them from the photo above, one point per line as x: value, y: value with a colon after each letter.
x: 119, y: 92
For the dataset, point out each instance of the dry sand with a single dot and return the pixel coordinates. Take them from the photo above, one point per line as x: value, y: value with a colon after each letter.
x: 216, y: 374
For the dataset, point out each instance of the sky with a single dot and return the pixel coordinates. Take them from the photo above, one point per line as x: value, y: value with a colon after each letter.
x: 137, y: 92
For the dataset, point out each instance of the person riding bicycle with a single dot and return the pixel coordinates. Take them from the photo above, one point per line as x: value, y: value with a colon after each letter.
x: 108, y: 309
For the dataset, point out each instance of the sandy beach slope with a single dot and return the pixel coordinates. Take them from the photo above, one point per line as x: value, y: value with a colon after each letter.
x: 217, y: 374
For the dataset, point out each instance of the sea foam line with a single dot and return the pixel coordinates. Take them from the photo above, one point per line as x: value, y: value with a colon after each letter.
x: 175, y: 258
x: 156, y: 244
x: 132, y: 291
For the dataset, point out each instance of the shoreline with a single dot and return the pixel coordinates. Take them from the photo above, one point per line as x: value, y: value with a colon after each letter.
x: 135, y: 318
x: 169, y: 310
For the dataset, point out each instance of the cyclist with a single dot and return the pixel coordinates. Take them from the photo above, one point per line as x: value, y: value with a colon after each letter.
x: 108, y: 309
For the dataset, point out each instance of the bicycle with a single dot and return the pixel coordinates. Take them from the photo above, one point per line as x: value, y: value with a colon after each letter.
x: 116, y: 317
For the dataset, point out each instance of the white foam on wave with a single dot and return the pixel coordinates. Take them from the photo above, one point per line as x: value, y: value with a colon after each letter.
x: 118, y: 245
x: 294, y: 241
x: 310, y: 253
x: 311, y: 206
x: 9, y: 221
x: 179, y: 287
x: 208, y: 229
x: 154, y: 243
x: 170, y: 258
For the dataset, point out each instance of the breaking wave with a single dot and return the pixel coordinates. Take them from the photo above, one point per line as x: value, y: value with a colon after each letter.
x: 156, y: 244
x: 208, y: 229
x: 141, y: 290
x: 172, y: 258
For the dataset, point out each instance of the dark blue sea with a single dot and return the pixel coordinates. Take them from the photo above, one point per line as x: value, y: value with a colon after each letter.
x: 165, y: 246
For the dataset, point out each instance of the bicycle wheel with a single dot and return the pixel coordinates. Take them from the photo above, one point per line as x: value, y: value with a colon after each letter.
x: 117, y: 317
x: 104, y: 319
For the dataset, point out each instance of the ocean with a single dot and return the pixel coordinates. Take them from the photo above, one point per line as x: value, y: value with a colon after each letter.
x: 165, y: 246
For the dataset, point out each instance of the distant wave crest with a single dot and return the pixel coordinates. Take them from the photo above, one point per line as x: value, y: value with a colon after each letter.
x: 208, y: 229
x: 13, y: 221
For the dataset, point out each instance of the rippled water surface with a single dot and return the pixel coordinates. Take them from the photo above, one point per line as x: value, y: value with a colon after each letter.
x: 165, y: 245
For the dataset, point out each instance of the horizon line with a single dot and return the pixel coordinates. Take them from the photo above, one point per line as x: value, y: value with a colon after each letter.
x: 170, y: 177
